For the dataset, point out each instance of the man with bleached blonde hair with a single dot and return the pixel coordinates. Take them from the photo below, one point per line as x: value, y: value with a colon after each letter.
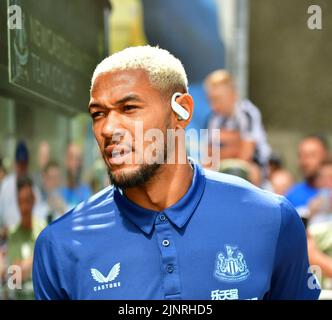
x: 242, y: 134
x: 166, y: 230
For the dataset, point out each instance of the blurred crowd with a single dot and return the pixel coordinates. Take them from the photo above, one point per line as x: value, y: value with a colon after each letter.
x: 31, y: 200
x: 28, y: 202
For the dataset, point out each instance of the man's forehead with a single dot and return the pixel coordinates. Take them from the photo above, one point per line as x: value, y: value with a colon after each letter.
x: 118, y: 85
x: 120, y: 78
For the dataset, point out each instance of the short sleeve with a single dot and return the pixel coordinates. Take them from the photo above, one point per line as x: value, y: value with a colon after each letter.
x: 291, y: 279
x: 246, y: 126
x: 46, y: 275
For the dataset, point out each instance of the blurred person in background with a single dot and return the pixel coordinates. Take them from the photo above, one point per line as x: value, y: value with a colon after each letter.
x: 319, y: 217
x: 75, y: 190
x: 3, y: 270
x: 235, y: 167
x: 320, y: 206
x: 319, y: 221
x: 9, y: 210
x: 242, y: 134
x: 22, y: 239
x: 281, y: 181
x: 231, y: 144
x: 3, y: 264
x: 43, y: 157
x: 257, y: 177
x: 3, y: 171
x: 98, y: 176
x: 3, y: 237
x: 249, y: 171
x: 317, y: 257
x: 275, y: 163
x: 312, y: 152
x: 51, y: 184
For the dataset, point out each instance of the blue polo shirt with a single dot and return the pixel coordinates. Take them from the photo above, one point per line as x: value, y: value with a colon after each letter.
x: 223, y: 240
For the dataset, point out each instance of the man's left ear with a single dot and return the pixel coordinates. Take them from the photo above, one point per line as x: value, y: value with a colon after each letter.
x: 183, y: 106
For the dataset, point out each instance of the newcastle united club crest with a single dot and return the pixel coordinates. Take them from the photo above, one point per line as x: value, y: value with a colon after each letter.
x: 231, y: 267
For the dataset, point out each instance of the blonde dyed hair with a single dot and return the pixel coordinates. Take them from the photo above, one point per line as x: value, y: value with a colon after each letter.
x: 165, y: 72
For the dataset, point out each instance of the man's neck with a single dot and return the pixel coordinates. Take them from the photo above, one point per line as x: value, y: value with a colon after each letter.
x: 170, y: 184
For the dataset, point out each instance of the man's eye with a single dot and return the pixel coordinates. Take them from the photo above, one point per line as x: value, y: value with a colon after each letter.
x: 129, y: 108
x: 97, y: 114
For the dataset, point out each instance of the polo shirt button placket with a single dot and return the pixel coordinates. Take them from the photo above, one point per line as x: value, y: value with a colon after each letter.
x: 165, y: 243
x: 170, y: 268
x: 169, y: 259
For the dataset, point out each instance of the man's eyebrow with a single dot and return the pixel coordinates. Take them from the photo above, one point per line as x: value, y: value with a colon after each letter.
x: 93, y: 105
x: 130, y: 97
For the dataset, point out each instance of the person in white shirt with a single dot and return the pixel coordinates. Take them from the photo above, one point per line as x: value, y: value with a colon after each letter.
x: 9, y: 211
x: 242, y: 133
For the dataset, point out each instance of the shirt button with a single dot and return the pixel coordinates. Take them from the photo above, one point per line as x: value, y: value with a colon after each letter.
x: 165, y: 243
x: 170, y: 268
x: 162, y: 217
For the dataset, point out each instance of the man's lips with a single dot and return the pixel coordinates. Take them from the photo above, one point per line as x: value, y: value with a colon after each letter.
x: 117, y: 154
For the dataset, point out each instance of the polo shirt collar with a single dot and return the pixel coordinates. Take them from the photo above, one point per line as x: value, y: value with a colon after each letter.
x: 179, y: 213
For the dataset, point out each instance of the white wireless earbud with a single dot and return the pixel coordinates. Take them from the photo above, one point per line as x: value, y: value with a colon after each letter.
x: 178, y: 109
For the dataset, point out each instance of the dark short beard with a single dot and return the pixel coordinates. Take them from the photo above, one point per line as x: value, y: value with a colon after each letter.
x: 136, y: 179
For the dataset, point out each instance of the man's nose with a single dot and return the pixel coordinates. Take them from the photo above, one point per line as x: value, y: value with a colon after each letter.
x: 110, y: 125
x: 112, y: 128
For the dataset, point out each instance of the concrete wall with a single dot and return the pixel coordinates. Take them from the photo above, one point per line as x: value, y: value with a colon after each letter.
x: 290, y: 66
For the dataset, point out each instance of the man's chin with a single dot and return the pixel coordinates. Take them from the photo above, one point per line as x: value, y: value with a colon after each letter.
x: 119, y: 173
x: 131, y: 176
